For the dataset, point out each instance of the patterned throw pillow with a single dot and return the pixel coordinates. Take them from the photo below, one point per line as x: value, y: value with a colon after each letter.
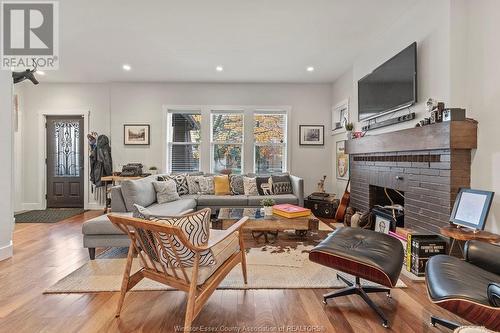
x: 236, y: 184
x: 206, y: 185
x: 282, y: 184
x: 180, y: 180
x: 193, y: 186
x: 197, y: 229
x: 166, y: 191
x: 264, y: 185
x: 250, y: 186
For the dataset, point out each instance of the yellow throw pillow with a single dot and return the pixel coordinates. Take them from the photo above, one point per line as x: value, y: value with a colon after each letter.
x: 221, y: 185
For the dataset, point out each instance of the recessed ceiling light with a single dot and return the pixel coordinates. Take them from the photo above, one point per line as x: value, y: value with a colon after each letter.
x: 40, y: 73
x: 126, y: 67
x: 219, y: 68
x: 310, y: 69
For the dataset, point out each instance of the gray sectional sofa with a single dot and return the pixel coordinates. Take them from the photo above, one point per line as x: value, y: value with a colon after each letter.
x: 100, y: 232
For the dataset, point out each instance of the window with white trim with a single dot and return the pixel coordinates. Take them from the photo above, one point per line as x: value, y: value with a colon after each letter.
x: 184, y: 141
x: 227, y: 132
x: 270, y: 140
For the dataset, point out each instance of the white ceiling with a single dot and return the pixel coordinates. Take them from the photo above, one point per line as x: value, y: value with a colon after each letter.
x: 184, y: 40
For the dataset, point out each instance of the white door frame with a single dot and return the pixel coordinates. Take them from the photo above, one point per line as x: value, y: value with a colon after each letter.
x: 42, y: 153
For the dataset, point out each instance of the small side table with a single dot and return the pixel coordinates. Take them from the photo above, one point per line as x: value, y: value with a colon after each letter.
x: 459, y: 234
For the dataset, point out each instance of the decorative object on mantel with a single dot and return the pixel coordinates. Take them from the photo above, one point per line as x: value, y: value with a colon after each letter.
x: 321, y: 185
x: 435, y: 109
x: 349, y: 128
x: 136, y: 134
x: 311, y: 135
x: 268, y: 204
x: 342, y: 159
x: 340, y: 117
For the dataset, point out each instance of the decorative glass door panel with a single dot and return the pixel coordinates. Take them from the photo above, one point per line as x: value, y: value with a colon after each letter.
x: 64, y: 161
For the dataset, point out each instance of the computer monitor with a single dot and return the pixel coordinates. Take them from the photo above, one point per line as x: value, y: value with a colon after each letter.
x: 471, y: 208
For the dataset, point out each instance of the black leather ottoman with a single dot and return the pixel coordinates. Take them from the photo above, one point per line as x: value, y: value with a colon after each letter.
x: 366, y: 254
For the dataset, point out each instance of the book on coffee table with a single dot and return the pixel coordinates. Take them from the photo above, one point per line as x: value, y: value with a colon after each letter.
x: 290, y: 211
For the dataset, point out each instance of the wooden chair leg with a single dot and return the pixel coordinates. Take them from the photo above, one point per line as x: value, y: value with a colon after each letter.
x: 192, y: 295
x: 243, y: 259
x: 125, y: 280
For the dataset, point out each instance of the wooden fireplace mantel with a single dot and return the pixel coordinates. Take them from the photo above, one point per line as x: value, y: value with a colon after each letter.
x: 446, y: 135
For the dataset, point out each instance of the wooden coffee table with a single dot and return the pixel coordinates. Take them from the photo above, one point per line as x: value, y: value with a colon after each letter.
x: 265, y: 226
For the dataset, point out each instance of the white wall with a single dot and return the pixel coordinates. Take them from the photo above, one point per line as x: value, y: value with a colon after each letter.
x: 458, y: 54
x: 62, y: 99
x: 427, y: 23
x: 482, y: 89
x: 6, y: 176
x: 115, y: 104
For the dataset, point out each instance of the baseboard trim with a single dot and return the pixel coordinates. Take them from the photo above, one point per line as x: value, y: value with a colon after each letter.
x: 32, y: 206
x: 94, y: 206
x: 6, y: 251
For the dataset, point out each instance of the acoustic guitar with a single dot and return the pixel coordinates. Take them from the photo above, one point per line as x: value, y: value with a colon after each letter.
x: 344, y: 203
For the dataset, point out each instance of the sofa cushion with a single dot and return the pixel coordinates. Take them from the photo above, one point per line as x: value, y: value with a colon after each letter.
x: 117, y: 201
x: 101, y: 225
x: 264, y: 185
x: 250, y: 186
x: 206, y: 184
x: 166, y: 191
x: 227, y: 200
x: 221, y: 185
x: 254, y: 200
x: 281, y: 184
x: 180, y: 181
x: 138, y: 191
x: 173, y: 208
x: 193, y: 185
x: 236, y: 184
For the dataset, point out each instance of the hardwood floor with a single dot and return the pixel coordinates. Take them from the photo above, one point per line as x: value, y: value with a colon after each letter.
x: 44, y: 253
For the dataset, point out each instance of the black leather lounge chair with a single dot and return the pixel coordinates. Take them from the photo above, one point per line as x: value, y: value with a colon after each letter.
x: 469, y: 288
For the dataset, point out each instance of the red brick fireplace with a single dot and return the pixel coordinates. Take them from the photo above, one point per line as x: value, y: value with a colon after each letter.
x: 428, y: 164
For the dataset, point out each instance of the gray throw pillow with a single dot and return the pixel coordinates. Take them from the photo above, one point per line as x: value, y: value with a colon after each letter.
x: 193, y: 185
x: 166, y: 191
x: 206, y: 185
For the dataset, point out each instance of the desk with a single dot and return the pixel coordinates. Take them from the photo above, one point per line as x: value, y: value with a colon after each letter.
x: 460, y: 234
x: 107, y: 180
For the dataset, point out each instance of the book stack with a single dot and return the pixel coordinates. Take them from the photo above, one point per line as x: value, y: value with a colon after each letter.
x: 290, y: 211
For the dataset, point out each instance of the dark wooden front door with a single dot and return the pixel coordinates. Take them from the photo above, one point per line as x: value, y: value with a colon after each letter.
x: 64, y: 161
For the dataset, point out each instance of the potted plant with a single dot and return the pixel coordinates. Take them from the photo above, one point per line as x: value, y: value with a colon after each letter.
x: 349, y: 127
x: 153, y: 170
x: 268, y: 204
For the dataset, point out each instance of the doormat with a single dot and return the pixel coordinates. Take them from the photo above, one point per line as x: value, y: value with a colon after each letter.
x: 50, y: 215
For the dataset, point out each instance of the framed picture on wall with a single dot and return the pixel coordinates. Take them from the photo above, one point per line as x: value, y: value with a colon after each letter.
x: 311, y: 135
x: 136, y: 134
x: 340, y: 117
x: 342, y: 161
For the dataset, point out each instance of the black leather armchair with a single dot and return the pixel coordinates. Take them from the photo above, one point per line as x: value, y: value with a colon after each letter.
x: 469, y: 288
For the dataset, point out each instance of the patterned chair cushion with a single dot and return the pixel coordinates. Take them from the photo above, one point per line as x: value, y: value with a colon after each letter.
x: 197, y: 229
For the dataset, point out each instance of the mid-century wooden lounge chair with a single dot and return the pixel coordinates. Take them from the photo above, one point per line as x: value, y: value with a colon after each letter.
x: 168, y: 256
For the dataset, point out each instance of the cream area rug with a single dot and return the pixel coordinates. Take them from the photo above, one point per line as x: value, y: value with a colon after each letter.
x: 269, y: 267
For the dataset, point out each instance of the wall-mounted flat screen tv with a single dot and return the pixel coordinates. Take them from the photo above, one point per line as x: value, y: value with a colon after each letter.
x: 391, y: 86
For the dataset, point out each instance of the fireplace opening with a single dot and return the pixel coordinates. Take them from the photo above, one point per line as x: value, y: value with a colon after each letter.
x: 387, y: 205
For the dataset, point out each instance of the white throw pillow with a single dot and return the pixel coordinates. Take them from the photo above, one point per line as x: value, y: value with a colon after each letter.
x: 206, y: 185
x: 250, y: 186
x: 166, y: 191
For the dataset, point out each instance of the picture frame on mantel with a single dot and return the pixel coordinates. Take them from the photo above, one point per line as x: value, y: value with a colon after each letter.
x: 340, y: 117
x: 311, y: 135
x: 341, y: 161
x: 136, y: 134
